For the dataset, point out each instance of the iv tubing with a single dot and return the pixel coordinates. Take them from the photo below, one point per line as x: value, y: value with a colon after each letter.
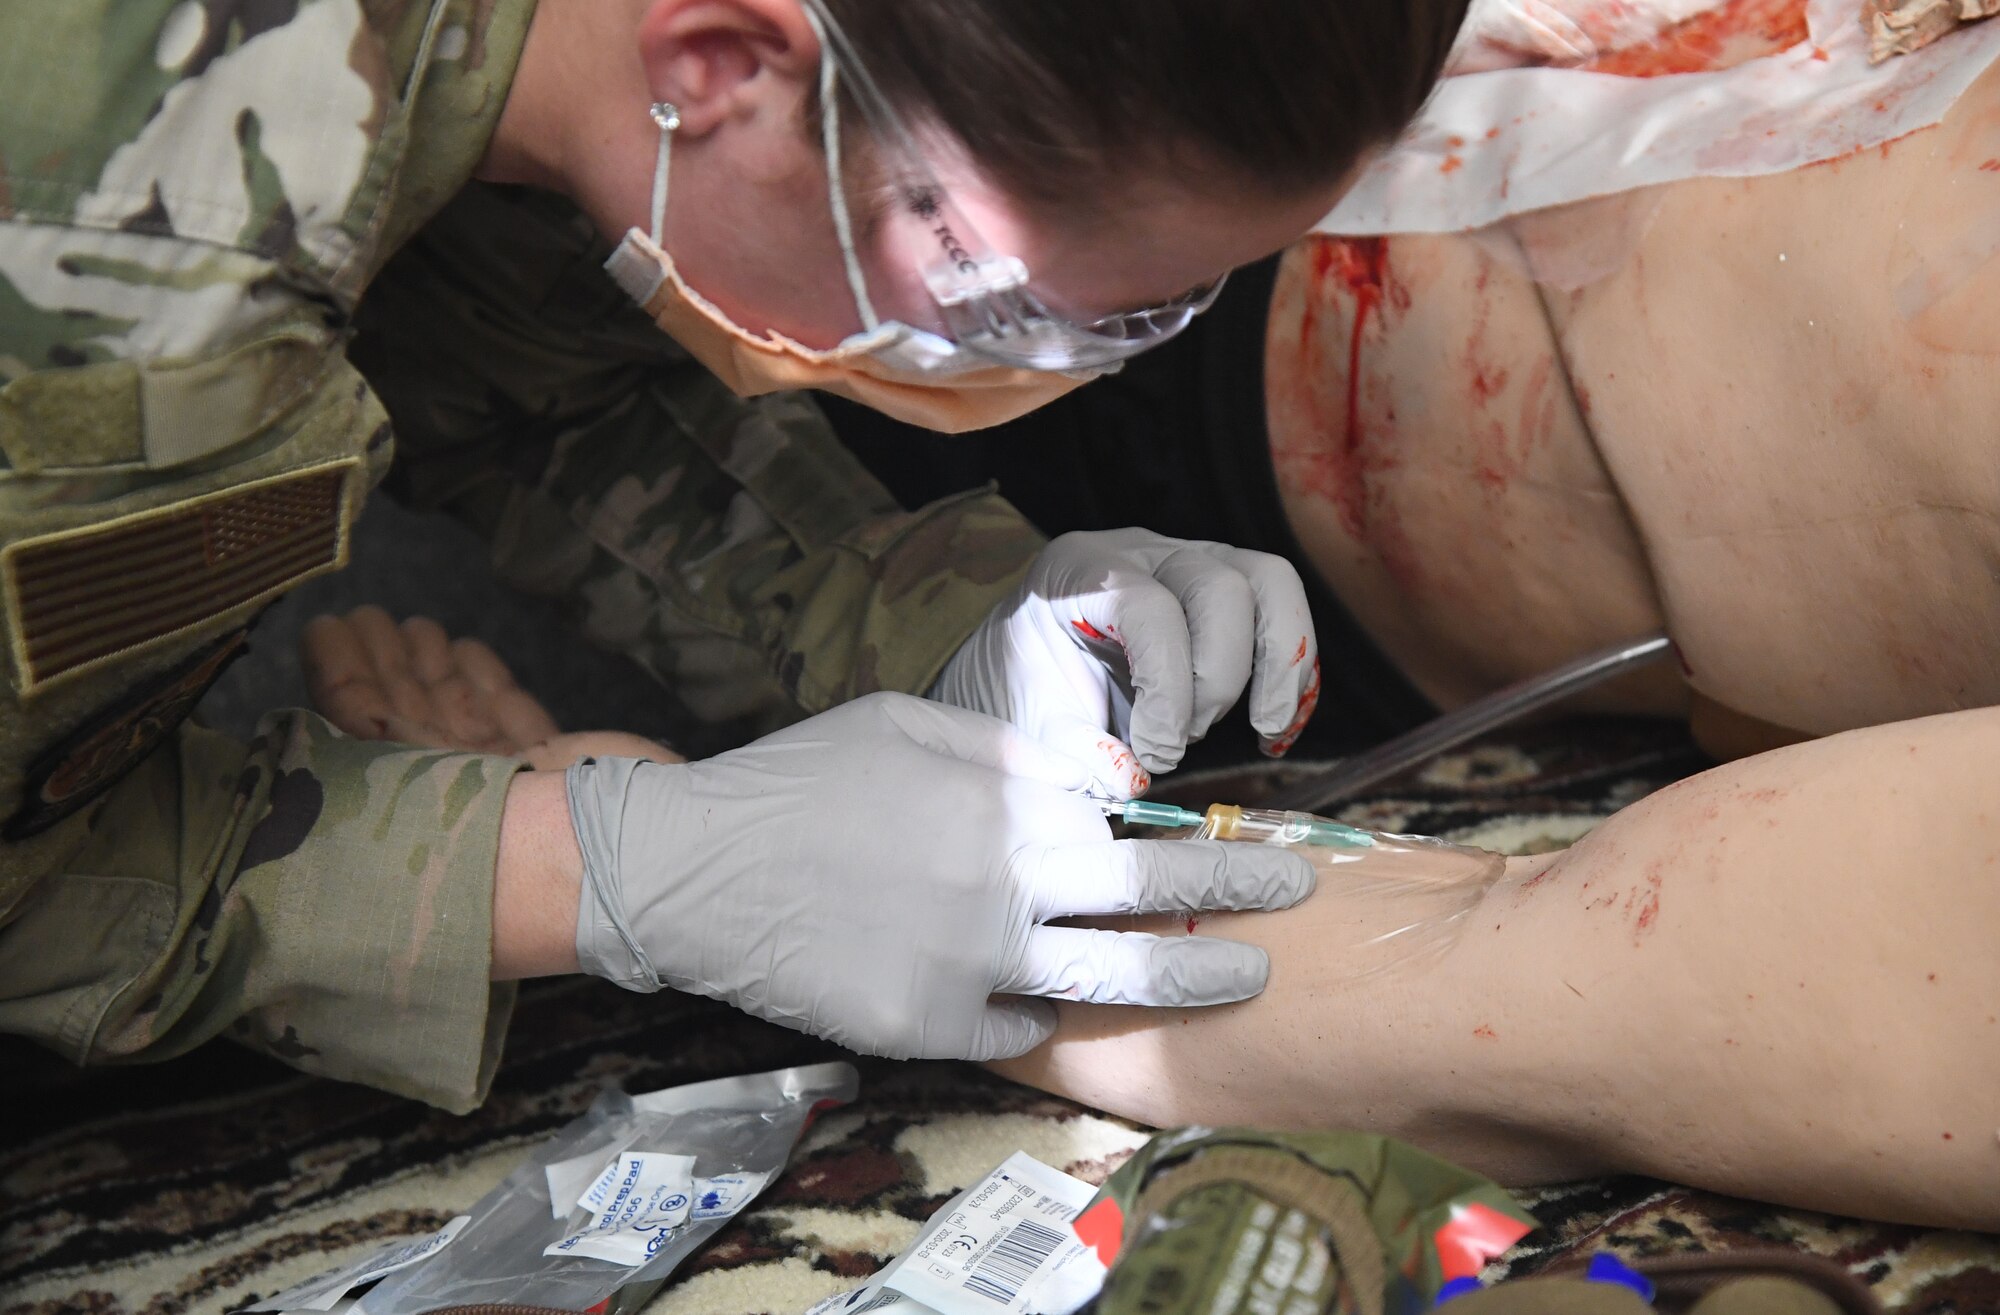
x: 1475, y: 718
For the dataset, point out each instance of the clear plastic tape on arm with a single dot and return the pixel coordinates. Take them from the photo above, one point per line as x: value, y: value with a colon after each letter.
x: 1550, y: 102
x: 1385, y: 901
x: 1395, y: 901
x: 738, y: 1131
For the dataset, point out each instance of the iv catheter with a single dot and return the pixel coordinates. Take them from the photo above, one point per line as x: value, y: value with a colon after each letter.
x: 1476, y: 718
x: 1228, y: 822
x: 1290, y: 820
x: 1405, y: 898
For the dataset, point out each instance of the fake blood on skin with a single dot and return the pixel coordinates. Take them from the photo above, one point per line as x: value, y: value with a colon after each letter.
x: 1333, y: 434
x: 1358, y: 267
x: 1719, y: 38
x: 1362, y: 264
x: 1505, y: 447
x: 1649, y: 905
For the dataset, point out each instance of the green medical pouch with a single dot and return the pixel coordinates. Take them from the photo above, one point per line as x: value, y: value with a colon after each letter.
x: 1231, y: 1220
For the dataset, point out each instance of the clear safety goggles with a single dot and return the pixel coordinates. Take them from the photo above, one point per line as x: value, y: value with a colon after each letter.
x: 982, y: 295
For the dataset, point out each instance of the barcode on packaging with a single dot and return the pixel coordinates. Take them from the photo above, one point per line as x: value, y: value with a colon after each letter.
x: 996, y: 1247
x: 1013, y: 1261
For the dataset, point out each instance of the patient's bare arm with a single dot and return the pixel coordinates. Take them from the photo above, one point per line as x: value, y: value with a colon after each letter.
x: 1777, y: 979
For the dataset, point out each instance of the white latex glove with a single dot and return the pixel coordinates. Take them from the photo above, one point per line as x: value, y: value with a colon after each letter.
x: 1126, y: 635
x: 878, y: 874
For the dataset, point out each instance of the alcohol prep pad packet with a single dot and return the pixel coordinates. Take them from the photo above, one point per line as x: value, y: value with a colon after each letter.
x: 637, y: 1205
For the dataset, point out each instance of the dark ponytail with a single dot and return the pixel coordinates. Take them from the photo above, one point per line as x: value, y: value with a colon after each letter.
x: 1056, y: 97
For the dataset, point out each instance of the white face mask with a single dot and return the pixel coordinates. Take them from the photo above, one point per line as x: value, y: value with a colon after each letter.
x: 905, y: 372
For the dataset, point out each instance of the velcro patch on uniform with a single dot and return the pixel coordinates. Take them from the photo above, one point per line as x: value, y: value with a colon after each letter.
x: 68, y: 775
x: 79, y: 597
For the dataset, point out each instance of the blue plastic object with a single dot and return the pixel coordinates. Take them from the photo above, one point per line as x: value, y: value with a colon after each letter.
x: 1607, y: 1268
x: 1458, y: 1287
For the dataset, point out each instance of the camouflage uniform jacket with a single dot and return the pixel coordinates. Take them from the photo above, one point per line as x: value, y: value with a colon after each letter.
x: 194, y: 195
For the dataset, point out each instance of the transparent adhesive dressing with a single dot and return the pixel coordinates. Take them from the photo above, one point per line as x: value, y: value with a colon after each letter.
x: 1388, y: 901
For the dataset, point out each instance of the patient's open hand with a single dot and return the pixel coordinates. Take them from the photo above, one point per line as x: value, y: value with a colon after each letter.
x: 377, y: 680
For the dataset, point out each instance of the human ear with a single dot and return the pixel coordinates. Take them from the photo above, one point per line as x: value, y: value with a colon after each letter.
x: 711, y: 59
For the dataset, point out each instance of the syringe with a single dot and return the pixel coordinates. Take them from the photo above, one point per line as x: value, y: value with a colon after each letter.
x: 1266, y: 826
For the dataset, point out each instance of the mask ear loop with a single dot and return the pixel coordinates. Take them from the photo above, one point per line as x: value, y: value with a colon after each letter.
x: 669, y: 119
x: 836, y: 193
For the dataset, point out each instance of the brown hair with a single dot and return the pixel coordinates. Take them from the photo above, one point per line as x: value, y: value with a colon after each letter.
x: 1053, y: 97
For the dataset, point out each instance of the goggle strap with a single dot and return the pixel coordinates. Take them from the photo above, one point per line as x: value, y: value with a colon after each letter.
x: 836, y: 189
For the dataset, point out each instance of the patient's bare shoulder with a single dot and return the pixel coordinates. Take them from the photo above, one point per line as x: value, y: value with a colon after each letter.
x: 1757, y: 412
x: 1436, y: 465
x: 1793, y: 383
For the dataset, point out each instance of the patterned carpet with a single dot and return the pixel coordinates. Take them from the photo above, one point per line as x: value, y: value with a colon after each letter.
x: 204, y: 1184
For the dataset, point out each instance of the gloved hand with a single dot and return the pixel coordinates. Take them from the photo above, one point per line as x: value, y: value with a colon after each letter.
x: 877, y: 874
x: 1126, y: 635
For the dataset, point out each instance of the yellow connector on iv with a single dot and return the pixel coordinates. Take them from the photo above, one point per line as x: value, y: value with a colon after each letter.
x: 1269, y: 826
x: 1265, y: 826
x: 1397, y: 902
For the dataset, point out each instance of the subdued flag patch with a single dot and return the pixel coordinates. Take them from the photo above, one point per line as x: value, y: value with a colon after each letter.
x: 80, y: 597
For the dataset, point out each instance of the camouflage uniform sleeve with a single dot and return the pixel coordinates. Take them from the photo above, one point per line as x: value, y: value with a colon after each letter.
x: 192, y: 196
x: 324, y: 899
x: 734, y: 547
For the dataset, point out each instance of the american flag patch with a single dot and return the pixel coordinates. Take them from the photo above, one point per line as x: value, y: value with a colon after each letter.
x: 78, y: 597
